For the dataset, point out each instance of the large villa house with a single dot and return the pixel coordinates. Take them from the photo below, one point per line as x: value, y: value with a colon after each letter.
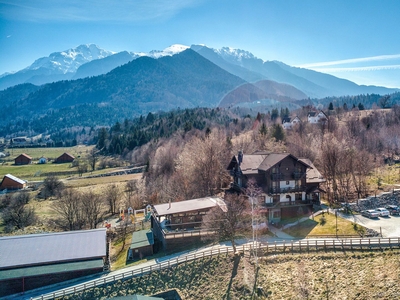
x: 287, y: 183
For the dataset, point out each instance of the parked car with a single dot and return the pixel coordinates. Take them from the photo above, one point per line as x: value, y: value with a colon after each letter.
x: 383, y: 212
x: 393, y: 209
x: 370, y: 213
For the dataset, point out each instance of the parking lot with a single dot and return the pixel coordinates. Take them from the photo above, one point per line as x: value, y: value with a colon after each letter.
x: 388, y: 226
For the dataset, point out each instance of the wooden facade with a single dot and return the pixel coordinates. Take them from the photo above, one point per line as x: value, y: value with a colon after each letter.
x: 11, y: 182
x: 23, y: 159
x: 285, y: 181
x: 64, y: 158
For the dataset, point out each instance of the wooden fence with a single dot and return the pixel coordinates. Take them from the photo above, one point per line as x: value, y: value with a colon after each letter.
x: 294, y: 246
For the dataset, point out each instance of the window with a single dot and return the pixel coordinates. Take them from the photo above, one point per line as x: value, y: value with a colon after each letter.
x: 287, y: 182
x: 277, y: 214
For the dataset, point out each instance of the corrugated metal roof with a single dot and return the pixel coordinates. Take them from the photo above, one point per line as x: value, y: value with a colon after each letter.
x: 142, y: 238
x: 50, y: 269
x: 16, y: 179
x: 187, y: 205
x: 37, y: 249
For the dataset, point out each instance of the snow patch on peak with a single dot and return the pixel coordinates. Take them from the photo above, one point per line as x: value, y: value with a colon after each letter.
x: 236, y: 54
x: 169, y: 51
x: 70, y: 60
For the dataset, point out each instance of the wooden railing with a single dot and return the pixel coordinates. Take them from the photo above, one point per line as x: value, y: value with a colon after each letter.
x: 273, y: 248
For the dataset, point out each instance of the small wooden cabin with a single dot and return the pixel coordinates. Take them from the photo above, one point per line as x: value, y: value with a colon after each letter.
x: 23, y: 159
x: 64, y: 158
x: 11, y: 182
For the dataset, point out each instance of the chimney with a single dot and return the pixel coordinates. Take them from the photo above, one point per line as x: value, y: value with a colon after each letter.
x: 169, y: 202
x: 240, y: 156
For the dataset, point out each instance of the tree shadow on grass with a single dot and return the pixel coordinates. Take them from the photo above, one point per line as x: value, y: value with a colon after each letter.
x: 236, y: 261
x: 302, y: 229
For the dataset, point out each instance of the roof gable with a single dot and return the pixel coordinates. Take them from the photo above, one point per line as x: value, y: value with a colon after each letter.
x: 23, y: 155
x: 13, y: 178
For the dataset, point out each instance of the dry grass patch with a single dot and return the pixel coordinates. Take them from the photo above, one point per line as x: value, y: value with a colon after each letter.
x: 351, y: 275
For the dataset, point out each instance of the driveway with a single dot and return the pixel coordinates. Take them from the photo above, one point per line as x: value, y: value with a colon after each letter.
x: 389, y: 226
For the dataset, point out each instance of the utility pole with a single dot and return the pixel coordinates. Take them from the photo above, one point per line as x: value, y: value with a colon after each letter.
x: 336, y: 222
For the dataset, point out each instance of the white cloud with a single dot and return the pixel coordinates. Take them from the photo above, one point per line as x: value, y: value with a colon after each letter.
x: 93, y: 10
x: 355, y: 69
x: 350, y: 61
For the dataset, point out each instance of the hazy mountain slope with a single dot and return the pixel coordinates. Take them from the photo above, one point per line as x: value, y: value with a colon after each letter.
x: 312, y: 83
x: 234, y: 69
x: 140, y: 86
x: 280, y: 89
x: 261, y: 90
x: 336, y: 86
x: 104, y: 65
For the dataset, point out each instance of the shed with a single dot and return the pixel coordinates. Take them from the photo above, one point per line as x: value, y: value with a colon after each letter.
x: 142, y: 244
x: 23, y: 159
x: 10, y: 182
x: 36, y: 260
x: 42, y: 160
x: 64, y: 158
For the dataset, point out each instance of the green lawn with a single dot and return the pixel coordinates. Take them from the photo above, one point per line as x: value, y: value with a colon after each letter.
x: 328, y: 227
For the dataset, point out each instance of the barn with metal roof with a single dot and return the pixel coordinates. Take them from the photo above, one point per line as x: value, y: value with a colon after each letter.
x: 31, y: 261
x: 10, y: 182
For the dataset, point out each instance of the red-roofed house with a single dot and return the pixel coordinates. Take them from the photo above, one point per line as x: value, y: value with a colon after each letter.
x: 64, y: 158
x: 23, y: 159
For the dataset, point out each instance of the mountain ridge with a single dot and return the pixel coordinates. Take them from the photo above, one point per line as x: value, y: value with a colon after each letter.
x: 239, y: 62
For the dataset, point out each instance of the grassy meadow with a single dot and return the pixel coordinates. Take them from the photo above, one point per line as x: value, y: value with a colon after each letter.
x: 37, y: 172
x: 325, y: 225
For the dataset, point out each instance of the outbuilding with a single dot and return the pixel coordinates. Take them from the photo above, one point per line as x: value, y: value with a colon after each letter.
x: 64, y: 158
x: 142, y: 244
x: 11, y: 182
x: 36, y: 260
x: 23, y: 159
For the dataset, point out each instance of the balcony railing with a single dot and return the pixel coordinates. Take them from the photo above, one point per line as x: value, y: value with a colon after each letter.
x: 277, y: 176
x: 278, y: 190
x: 289, y: 203
x: 298, y: 175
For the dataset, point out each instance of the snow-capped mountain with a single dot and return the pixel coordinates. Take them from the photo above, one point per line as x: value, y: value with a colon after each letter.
x: 90, y: 60
x: 169, y: 51
x: 57, y: 66
x: 234, y: 55
x: 70, y: 60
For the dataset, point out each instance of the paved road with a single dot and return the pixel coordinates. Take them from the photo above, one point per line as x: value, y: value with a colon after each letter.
x: 389, y: 226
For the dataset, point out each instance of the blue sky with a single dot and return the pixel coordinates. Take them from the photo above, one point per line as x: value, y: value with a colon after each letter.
x: 358, y: 40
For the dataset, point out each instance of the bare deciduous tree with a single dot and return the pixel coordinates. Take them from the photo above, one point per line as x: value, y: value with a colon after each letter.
x: 93, y: 208
x: 18, y: 214
x: 113, y: 196
x: 225, y: 220
x: 52, y: 186
x: 69, y: 209
x: 203, y: 162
